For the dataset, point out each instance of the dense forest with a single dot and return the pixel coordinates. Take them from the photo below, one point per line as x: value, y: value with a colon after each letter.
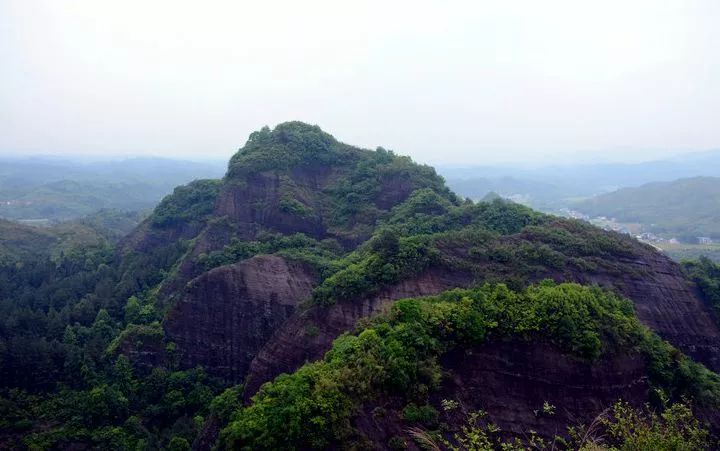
x: 97, y: 349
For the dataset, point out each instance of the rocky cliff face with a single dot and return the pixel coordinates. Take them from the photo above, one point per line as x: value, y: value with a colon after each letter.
x: 292, y: 345
x: 668, y: 304
x: 229, y: 313
x: 258, y: 200
x: 294, y: 179
x: 664, y: 301
x: 512, y: 381
x: 247, y: 322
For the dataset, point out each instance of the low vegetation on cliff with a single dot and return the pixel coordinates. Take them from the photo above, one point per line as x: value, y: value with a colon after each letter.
x: 706, y: 274
x: 398, y: 354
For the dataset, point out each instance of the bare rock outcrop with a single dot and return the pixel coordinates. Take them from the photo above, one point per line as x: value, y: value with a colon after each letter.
x: 308, y: 334
x: 511, y: 381
x: 229, y: 313
x: 664, y: 301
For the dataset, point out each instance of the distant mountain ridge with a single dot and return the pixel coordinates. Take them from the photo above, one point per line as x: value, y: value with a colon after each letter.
x: 56, y: 190
x: 558, y: 185
x: 688, y: 208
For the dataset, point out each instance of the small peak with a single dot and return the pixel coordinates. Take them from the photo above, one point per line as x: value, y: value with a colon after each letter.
x: 492, y: 196
x: 293, y: 132
x: 286, y: 145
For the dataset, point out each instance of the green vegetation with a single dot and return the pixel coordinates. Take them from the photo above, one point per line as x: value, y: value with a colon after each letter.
x: 425, y: 212
x: 65, y: 309
x: 496, y: 240
x: 40, y: 301
x: 426, y: 414
x: 62, y: 319
x: 112, y: 224
x: 363, y: 184
x: 288, y: 145
x: 621, y: 428
x: 188, y: 203
x: 706, y: 274
x: 21, y: 242
x: 411, y: 239
x: 120, y: 411
x: 398, y: 354
x: 136, y: 334
x: 675, y: 428
x: 683, y: 251
x: 368, y: 189
x: 387, y: 260
x: 70, y: 303
x: 298, y: 246
x: 84, y: 360
x: 685, y: 208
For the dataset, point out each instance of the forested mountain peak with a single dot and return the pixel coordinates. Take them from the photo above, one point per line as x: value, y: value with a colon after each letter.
x: 232, y: 282
x: 287, y: 145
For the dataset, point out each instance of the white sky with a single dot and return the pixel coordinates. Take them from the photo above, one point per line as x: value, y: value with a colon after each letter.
x: 445, y: 81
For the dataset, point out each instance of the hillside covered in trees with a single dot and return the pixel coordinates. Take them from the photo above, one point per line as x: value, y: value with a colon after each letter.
x: 686, y: 208
x: 323, y: 296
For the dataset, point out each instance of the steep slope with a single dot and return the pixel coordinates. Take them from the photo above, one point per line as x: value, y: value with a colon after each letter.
x: 294, y: 191
x: 559, y: 249
x: 292, y: 179
x: 541, y: 359
x: 305, y: 237
x: 237, y: 280
x: 230, y: 312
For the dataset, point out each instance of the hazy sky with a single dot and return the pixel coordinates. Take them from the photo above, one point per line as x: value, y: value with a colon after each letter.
x: 443, y: 81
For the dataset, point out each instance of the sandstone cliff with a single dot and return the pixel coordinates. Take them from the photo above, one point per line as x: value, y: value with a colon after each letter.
x: 664, y: 301
x: 250, y: 319
x: 229, y: 313
x: 511, y: 381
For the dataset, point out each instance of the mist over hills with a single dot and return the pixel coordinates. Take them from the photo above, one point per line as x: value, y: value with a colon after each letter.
x: 61, y: 189
x: 686, y: 208
x: 55, y: 189
x: 556, y: 186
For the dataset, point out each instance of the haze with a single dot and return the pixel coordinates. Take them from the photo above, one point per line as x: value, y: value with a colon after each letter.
x: 444, y: 82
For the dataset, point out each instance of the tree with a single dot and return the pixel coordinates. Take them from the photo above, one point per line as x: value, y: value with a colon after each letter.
x: 178, y: 444
x: 132, y: 311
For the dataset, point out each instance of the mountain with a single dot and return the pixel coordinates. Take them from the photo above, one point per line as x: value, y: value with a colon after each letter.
x: 556, y: 186
x: 57, y: 190
x: 323, y: 296
x: 20, y: 243
x: 685, y: 208
x: 536, y: 193
x: 487, y: 364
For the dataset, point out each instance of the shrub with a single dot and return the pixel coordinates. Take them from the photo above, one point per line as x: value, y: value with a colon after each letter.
x: 187, y: 203
x: 397, y: 353
x: 426, y: 415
